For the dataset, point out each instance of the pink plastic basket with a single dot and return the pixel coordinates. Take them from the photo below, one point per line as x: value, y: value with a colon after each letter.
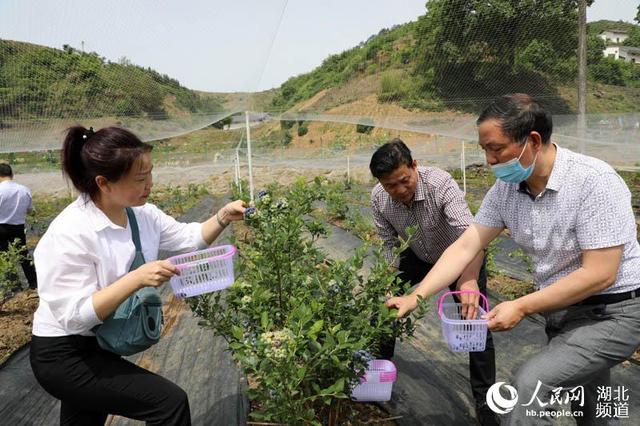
x: 203, y: 271
x: 377, y: 383
x: 463, y: 335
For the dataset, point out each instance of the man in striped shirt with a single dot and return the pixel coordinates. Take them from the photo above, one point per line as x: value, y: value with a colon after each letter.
x: 429, y: 199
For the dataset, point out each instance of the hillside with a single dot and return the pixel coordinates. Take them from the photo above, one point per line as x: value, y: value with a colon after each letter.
x: 427, y: 66
x: 39, y: 82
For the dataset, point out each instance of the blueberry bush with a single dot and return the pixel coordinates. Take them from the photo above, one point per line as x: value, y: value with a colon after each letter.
x: 300, y: 324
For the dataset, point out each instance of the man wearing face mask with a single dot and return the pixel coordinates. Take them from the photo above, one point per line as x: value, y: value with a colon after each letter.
x: 572, y: 215
x: 427, y: 197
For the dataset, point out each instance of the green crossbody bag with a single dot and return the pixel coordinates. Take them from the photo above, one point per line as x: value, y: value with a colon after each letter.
x: 137, y: 323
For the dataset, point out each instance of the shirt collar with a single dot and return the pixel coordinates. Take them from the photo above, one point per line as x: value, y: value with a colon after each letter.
x: 560, y: 166
x: 558, y: 172
x: 97, y: 218
x: 421, y: 189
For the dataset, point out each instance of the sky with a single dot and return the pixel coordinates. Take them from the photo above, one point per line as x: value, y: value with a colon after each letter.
x: 222, y: 46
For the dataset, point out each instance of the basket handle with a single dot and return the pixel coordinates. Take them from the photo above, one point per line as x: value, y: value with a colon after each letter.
x: 232, y: 251
x: 446, y: 293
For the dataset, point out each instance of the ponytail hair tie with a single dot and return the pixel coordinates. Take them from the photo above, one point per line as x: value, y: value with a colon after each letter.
x: 88, y: 133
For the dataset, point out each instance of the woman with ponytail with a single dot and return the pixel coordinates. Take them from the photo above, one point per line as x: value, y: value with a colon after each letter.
x: 82, y: 263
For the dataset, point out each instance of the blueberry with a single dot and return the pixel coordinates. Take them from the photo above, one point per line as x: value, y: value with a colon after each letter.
x: 262, y: 194
x: 362, y: 355
x: 250, y: 212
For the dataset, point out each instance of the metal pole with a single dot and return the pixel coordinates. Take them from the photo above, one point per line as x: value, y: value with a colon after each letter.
x: 464, y: 170
x: 249, y: 156
x: 582, y: 73
x: 239, y: 178
x: 348, y: 170
x: 236, y: 178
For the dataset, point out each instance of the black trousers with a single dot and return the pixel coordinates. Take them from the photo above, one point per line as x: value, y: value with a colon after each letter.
x: 8, y: 233
x: 92, y: 383
x: 482, y: 365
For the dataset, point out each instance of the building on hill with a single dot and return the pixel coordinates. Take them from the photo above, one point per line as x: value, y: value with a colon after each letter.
x: 614, y: 36
x: 623, y: 53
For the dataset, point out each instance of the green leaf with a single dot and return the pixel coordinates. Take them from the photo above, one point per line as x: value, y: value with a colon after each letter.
x: 237, y: 332
x: 315, y: 328
x: 315, y: 345
x: 301, y: 372
x: 264, y: 320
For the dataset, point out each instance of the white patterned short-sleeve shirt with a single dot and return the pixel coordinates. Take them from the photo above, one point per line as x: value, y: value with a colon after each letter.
x: 586, y: 205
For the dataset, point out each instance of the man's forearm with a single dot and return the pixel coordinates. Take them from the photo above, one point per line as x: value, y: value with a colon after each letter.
x: 571, y: 289
x: 448, y: 268
x: 472, y: 272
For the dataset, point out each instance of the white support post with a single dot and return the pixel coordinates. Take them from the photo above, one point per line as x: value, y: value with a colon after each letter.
x: 348, y: 169
x: 464, y: 170
x: 236, y: 175
x: 249, y: 156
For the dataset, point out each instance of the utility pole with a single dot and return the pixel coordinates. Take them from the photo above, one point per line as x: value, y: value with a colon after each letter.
x: 582, y: 73
x: 82, y: 45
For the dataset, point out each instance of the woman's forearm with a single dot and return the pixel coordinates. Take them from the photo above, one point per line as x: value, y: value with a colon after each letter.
x: 109, y: 298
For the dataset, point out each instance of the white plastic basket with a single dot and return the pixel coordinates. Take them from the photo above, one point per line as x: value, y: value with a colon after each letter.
x: 463, y: 335
x: 377, y: 383
x: 203, y: 271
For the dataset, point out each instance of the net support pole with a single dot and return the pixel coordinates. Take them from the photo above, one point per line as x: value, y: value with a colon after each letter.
x: 236, y: 171
x: 582, y: 73
x: 250, y: 165
x: 463, y: 168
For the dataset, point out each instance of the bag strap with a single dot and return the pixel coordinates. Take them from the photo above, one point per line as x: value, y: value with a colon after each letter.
x: 135, y: 231
x: 138, y: 259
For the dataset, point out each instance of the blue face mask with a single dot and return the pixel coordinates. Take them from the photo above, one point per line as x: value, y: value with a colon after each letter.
x: 512, y: 171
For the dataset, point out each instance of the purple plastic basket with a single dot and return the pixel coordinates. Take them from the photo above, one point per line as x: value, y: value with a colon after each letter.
x: 203, y: 271
x: 463, y: 335
x: 377, y: 383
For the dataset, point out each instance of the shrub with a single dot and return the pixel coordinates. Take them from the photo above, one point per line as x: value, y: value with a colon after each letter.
x: 303, y: 129
x: 286, y: 138
x: 336, y: 198
x: 296, y: 320
x: 286, y: 124
x: 9, y: 261
x: 364, y: 128
x: 392, y: 87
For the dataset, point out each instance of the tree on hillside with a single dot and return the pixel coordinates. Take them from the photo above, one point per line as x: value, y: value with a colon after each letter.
x: 634, y: 37
x: 634, y: 33
x: 487, y: 45
x: 38, y: 82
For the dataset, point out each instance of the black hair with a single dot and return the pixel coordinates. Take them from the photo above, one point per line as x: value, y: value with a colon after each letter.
x: 109, y: 152
x: 519, y: 114
x: 5, y: 170
x: 389, y: 157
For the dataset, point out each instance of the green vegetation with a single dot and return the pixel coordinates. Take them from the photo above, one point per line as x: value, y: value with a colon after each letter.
x: 493, y: 47
x: 225, y: 122
x: 194, y: 145
x: 303, y: 128
x: 176, y: 200
x: 390, y: 48
x: 297, y: 321
x: 37, y: 82
x: 365, y: 128
x: 9, y: 262
x: 595, y: 28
